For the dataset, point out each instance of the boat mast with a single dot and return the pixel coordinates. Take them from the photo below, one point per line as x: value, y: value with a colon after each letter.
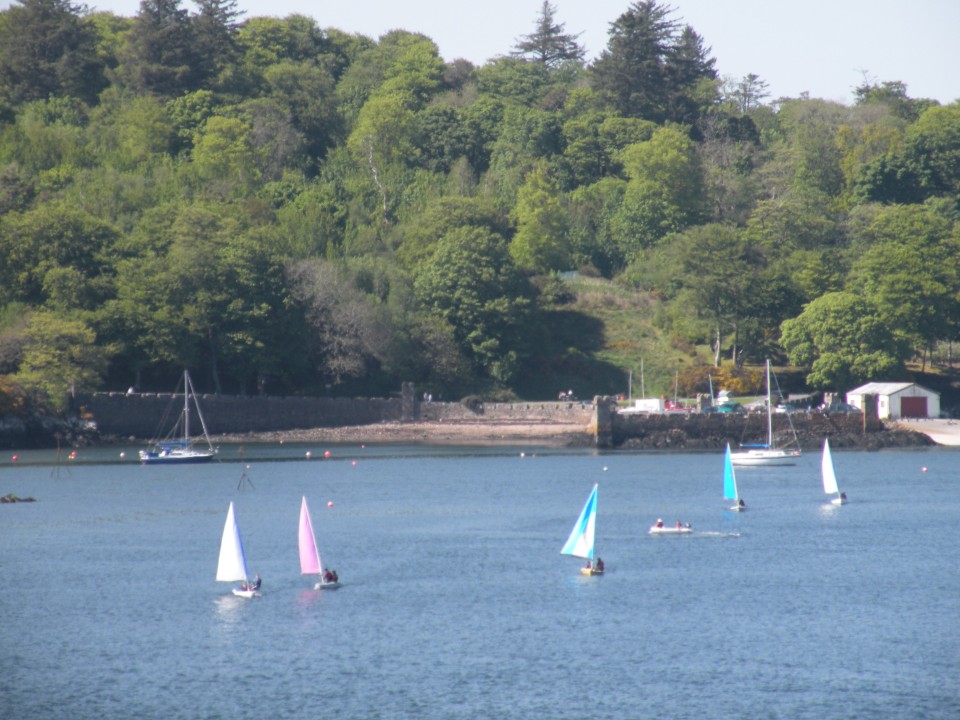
x: 186, y: 407
x: 769, y: 410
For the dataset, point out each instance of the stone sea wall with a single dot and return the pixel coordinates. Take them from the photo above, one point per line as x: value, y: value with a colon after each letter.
x: 145, y: 415
x: 693, y: 431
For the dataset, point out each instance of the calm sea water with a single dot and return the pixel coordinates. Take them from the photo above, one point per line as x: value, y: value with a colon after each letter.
x: 456, y: 602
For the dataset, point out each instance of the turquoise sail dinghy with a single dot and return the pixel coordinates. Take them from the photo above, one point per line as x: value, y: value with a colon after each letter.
x: 730, y: 482
x: 581, y: 541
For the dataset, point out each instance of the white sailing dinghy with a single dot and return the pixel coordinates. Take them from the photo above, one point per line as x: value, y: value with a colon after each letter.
x: 730, y: 483
x: 581, y: 541
x: 769, y: 453
x: 829, y: 476
x: 232, y: 566
x: 309, y: 554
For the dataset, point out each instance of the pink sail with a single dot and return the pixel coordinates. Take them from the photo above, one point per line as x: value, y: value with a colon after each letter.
x: 309, y: 555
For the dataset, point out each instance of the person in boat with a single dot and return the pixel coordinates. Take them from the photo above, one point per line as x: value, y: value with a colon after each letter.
x: 659, y: 522
x: 741, y: 503
x: 599, y: 567
x: 334, y: 576
x: 843, y: 496
x: 327, y: 575
x: 679, y: 525
x: 255, y: 585
x: 589, y: 565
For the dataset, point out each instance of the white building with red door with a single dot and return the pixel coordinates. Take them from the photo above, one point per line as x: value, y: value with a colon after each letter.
x: 898, y: 400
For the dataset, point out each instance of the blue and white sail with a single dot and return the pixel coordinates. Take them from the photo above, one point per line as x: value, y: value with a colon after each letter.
x: 580, y: 542
x: 730, y: 479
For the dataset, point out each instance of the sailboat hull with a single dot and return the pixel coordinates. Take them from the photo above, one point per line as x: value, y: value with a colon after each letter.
x: 187, y: 457
x: 326, y: 585
x: 246, y: 593
x: 765, y: 457
x: 591, y: 571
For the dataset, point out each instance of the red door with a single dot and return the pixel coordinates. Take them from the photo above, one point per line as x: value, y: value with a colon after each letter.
x: 914, y: 407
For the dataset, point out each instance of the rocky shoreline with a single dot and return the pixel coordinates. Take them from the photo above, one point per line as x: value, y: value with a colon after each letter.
x: 486, y: 433
x: 433, y: 433
x: 480, y: 432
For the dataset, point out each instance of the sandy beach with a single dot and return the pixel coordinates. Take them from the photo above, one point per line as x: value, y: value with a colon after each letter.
x: 942, y: 431
x: 437, y: 433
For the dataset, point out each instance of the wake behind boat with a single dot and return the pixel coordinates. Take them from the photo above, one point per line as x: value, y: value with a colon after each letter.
x: 769, y: 453
x: 178, y: 447
x: 581, y: 541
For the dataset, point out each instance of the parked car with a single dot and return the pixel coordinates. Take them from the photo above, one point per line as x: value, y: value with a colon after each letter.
x: 676, y: 406
x: 787, y: 408
x: 839, y: 407
x: 726, y: 407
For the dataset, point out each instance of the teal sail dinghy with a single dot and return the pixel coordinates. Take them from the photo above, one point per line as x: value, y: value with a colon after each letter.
x: 581, y: 541
x: 730, y: 482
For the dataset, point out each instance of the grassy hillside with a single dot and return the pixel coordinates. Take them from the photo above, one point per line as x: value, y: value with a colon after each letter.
x: 599, y: 338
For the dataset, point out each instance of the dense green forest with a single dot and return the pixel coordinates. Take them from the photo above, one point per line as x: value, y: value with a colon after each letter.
x: 286, y: 208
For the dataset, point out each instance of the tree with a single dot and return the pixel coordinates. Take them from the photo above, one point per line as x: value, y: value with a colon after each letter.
x: 223, y: 157
x: 542, y: 241
x: 691, y: 78
x: 48, y: 239
x: 162, y: 54
x: 60, y: 359
x: 381, y: 141
x: 906, y: 266
x: 747, y: 94
x: 47, y: 48
x: 665, y: 192
x: 841, y: 340
x: 215, y: 27
x: 892, y: 95
x: 512, y: 80
x: 718, y: 270
x: 652, y: 71
x: 548, y: 44
x: 349, y: 333
x: 471, y: 284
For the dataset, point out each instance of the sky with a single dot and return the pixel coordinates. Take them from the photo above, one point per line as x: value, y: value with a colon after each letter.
x: 825, y: 48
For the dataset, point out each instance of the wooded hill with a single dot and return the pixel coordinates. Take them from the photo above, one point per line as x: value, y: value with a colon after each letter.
x: 286, y: 208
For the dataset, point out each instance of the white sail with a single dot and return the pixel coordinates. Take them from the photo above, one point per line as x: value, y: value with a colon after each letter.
x: 580, y: 542
x: 827, y: 472
x: 232, y: 566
